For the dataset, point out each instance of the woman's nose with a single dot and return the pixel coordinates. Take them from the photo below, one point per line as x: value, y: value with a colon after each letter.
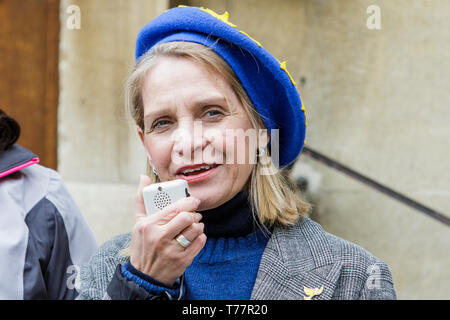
x: 189, y: 141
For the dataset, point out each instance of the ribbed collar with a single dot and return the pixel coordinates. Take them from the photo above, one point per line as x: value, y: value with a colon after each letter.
x: 231, y: 219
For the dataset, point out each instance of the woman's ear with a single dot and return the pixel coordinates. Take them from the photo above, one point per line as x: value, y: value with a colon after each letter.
x: 141, y: 136
x: 264, y: 138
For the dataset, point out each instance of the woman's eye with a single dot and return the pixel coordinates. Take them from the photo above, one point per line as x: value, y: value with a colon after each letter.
x: 213, y: 113
x: 160, y: 124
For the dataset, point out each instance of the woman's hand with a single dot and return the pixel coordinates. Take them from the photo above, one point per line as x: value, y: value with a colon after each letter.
x: 154, y: 250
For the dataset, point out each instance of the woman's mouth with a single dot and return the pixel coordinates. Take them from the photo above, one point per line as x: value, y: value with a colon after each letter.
x: 196, y: 173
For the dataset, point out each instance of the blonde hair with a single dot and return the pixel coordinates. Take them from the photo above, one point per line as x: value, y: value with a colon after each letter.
x: 273, y: 198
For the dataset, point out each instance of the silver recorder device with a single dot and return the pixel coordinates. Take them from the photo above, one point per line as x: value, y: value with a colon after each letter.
x: 157, y: 196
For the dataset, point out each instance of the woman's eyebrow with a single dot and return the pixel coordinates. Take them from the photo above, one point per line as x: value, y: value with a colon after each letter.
x: 156, y: 114
x: 212, y: 100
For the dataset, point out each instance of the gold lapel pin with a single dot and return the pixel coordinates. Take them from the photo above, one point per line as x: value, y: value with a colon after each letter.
x: 311, y: 292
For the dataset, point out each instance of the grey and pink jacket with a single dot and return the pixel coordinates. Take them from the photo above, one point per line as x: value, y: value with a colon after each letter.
x: 44, y: 238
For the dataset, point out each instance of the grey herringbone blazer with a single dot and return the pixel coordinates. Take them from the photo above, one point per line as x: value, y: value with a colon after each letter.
x: 295, y: 261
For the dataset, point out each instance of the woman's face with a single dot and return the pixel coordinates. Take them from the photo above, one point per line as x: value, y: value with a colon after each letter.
x: 193, y: 118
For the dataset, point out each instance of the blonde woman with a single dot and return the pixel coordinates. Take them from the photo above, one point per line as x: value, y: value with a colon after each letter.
x: 214, y: 108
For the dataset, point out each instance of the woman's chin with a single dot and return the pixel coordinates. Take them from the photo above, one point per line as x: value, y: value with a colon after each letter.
x: 208, y: 196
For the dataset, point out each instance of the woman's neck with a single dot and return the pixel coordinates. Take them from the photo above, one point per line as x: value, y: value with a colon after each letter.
x: 231, y: 219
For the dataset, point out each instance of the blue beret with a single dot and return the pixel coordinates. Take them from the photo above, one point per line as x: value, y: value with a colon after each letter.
x: 266, y: 80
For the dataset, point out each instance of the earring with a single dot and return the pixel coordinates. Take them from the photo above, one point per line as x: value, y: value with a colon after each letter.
x: 154, y: 171
x: 261, y: 151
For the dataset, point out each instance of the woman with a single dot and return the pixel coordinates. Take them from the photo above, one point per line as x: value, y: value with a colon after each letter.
x: 43, y: 235
x: 199, y: 87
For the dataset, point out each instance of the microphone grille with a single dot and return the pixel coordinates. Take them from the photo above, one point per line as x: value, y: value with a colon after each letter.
x: 162, y: 199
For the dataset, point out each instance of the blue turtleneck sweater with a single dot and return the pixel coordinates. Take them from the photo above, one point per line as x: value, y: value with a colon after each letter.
x: 226, y: 267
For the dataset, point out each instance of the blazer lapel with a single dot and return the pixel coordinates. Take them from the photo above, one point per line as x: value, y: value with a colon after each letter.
x: 297, y: 264
x: 322, y: 279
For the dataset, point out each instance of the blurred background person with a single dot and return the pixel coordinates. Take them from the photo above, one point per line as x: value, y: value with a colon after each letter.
x: 43, y: 235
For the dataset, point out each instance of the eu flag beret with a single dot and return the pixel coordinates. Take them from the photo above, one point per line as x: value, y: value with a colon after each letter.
x: 266, y: 80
